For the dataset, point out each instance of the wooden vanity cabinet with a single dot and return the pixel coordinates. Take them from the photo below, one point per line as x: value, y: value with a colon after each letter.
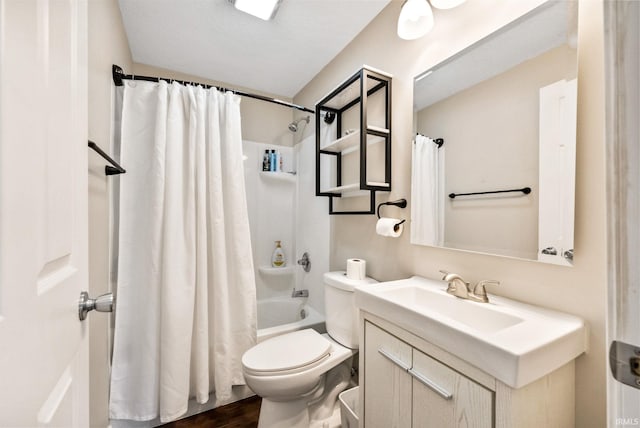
x: 408, y: 382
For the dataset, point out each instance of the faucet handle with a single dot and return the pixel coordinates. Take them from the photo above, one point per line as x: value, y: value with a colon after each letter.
x: 445, y: 273
x: 481, y: 292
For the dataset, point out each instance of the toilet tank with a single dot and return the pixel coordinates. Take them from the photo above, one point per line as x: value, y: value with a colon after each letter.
x: 341, y: 315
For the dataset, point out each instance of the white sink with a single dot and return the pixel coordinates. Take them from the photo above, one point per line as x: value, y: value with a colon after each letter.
x: 512, y: 341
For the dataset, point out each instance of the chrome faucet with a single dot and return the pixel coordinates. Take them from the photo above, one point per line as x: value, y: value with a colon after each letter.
x: 480, y: 292
x: 456, y: 285
x: 305, y: 262
x: 460, y: 288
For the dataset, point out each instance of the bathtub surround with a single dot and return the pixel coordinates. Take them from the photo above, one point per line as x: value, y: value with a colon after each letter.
x: 271, y: 208
x: 185, y: 252
x: 283, y: 207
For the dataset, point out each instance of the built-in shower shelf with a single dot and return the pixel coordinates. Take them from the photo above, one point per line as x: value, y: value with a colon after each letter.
x: 287, y: 177
x: 276, y: 271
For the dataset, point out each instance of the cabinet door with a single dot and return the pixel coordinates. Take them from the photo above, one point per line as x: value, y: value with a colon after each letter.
x: 444, y: 398
x: 387, y: 393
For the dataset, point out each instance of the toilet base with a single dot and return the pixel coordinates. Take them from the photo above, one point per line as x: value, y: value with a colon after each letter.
x: 284, y: 414
x: 314, y: 407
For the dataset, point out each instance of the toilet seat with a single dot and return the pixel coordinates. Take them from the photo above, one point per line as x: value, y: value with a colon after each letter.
x: 287, y: 354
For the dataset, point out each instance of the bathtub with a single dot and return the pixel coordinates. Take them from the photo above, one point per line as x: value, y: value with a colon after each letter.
x: 285, y: 314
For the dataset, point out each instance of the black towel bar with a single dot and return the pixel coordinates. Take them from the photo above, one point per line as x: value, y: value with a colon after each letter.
x: 108, y: 169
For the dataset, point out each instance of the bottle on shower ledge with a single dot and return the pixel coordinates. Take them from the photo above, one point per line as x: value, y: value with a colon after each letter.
x: 278, y: 259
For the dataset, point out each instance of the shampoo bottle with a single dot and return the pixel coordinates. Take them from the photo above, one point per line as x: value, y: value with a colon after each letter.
x: 265, y: 161
x: 272, y: 160
x: 278, y: 259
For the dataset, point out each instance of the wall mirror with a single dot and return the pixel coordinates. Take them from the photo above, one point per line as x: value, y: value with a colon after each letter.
x: 493, y: 160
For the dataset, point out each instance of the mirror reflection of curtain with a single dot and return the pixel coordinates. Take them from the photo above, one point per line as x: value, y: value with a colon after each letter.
x: 427, y: 192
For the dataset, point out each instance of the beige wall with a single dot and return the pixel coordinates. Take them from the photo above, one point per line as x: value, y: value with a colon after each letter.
x: 107, y: 45
x: 580, y: 290
x: 262, y: 122
x: 491, y: 143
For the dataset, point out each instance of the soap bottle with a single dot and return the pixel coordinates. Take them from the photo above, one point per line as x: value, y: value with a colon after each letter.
x: 277, y: 259
x: 265, y: 161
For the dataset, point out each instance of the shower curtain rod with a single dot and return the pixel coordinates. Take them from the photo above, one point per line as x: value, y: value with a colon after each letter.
x: 119, y: 76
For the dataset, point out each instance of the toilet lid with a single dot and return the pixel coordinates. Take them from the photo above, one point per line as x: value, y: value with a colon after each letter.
x: 287, y: 352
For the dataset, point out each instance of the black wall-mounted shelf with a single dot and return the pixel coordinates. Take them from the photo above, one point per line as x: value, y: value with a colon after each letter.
x: 353, y: 93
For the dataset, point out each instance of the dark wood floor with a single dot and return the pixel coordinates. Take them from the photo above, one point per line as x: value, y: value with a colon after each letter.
x: 241, y: 414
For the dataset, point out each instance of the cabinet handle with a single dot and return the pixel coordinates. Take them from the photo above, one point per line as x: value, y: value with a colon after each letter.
x: 430, y: 384
x: 394, y: 360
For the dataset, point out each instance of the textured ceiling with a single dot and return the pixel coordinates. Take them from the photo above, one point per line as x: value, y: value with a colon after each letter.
x: 210, y: 38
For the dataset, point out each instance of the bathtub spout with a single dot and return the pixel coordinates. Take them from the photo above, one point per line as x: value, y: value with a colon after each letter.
x: 300, y: 293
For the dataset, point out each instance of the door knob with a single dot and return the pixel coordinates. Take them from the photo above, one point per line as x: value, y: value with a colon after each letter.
x: 102, y: 303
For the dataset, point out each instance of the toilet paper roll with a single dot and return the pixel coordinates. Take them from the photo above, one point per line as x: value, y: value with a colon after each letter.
x: 387, y: 227
x: 356, y: 269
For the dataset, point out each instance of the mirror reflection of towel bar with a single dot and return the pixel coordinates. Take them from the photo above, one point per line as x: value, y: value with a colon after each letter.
x: 525, y: 190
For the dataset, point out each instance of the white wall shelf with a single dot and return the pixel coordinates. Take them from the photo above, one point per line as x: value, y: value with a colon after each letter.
x: 354, y: 187
x: 286, y: 177
x: 276, y: 271
x: 350, y: 143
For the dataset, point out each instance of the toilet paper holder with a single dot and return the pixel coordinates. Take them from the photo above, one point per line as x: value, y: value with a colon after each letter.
x: 400, y: 203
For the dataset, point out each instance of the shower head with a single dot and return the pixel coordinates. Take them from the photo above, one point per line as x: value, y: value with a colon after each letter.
x: 293, y: 126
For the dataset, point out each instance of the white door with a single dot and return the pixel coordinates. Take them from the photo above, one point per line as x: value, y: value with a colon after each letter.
x: 558, y: 103
x: 622, y: 65
x: 43, y: 213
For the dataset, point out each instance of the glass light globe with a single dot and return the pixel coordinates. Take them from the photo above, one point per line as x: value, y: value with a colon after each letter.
x: 446, y: 4
x: 416, y: 19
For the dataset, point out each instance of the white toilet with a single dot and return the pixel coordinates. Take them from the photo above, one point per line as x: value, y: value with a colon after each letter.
x: 300, y: 374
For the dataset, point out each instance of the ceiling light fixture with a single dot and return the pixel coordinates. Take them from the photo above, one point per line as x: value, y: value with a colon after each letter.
x: 416, y: 19
x: 446, y: 4
x: 263, y: 9
x: 416, y: 16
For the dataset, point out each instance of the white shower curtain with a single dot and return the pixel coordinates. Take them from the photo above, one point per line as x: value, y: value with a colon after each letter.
x: 427, y: 192
x: 186, y: 303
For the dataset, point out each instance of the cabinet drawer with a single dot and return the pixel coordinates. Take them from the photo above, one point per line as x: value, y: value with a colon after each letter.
x: 443, y: 397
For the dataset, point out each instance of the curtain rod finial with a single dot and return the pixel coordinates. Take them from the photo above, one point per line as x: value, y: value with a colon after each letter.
x: 116, y: 73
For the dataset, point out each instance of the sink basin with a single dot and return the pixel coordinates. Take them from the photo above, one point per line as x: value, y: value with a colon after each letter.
x: 475, y: 317
x: 514, y: 342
